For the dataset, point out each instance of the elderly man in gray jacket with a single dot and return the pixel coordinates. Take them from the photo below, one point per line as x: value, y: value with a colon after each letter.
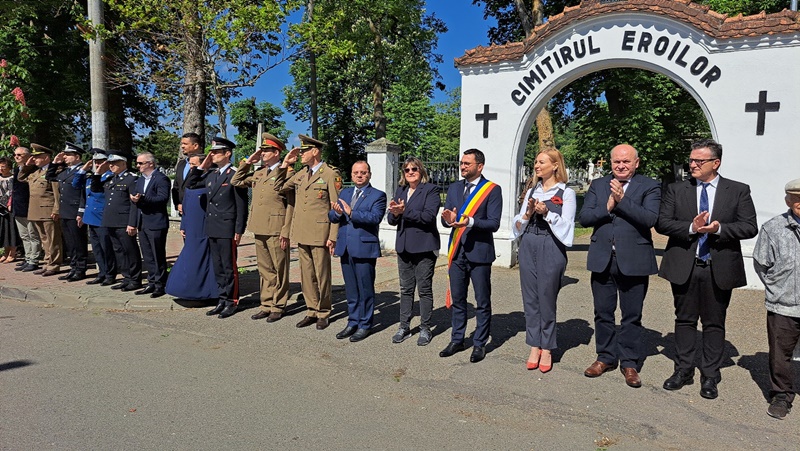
x: 775, y: 258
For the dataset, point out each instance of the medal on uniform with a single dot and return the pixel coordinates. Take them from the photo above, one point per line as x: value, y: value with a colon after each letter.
x: 319, y: 194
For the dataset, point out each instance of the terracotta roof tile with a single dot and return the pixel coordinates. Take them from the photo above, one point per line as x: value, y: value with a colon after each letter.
x: 716, y: 25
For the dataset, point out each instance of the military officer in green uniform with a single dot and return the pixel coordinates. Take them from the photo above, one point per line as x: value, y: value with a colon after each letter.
x: 270, y: 221
x: 316, y: 187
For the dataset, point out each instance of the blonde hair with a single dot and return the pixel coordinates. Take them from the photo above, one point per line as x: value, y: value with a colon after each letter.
x: 558, y: 160
x: 413, y: 161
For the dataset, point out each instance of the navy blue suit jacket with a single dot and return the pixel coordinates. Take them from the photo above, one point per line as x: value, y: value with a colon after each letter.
x: 152, y: 204
x: 226, y: 210
x: 478, y: 240
x: 20, y: 194
x: 416, y: 227
x: 71, y: 197
x: 626, y: 227
x: 358, y: 231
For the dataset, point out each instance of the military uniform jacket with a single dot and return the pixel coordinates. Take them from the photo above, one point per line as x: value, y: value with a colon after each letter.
x: 226, y: 210
x: 270, y: 210
x: 313, y: 197
x: 118, y: 211
x: 44, y: 197
x: 72, y: 198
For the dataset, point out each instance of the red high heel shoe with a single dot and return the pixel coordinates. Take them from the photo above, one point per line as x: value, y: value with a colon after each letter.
x: 545, y: 368
x: 532, y: 365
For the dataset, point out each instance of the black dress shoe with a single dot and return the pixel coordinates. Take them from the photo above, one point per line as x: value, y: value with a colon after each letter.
x: 22, y: 263
x: 146, y: 290
x: 307, y: 321
x: 359, y: 335
x: 76, y: 277
x: 229, y: 310
x: 708, y: 387
x: 108, y: 282
x: 216, y: 310
x: 478, y: 353
x: 260, y: 315
x: 96, y: 280
x: 67, y: 276
x: 131, y: 287
x: 119, y: 286
x: 346, y: 332
x: 678, y: 379
x: 157, y: 293
x: 452, y: 348
x: 23, y: 266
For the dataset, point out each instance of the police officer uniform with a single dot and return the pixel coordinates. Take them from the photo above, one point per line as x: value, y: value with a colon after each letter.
x: 43, y: 211
x: 91, y: 212
x: 270, y: 219
x: 118, y: 215
x: 226, y: 216
x: 315, y: 189
x: 72, y: 197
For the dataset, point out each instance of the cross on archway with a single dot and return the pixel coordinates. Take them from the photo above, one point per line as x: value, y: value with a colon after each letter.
x: 486, y: 116
x: 762, y: 108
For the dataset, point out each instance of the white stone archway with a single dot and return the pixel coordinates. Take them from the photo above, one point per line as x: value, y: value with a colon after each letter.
x: 743, y: 72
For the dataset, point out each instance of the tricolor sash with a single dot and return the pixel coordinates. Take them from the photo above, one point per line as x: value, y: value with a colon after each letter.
x: 468, y: 209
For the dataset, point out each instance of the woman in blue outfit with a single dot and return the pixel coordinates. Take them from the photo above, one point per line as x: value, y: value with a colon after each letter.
x: 91, y: 214
x: 413, y: 209
x: 546, y: 225
x: 192, y: 275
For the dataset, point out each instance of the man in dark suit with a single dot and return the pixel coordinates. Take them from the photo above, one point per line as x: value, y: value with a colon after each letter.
x: 705, y: 218
x: 621, y: 207
x: 190, y: 145
x: 151, y: 199
x: 120, y: 217
x: 63, y: 170
x: 358, y: 212
x: 472, y: 250
x: 226, y: 217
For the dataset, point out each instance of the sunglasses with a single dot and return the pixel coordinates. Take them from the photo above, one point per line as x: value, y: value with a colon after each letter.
x: 411, y: 169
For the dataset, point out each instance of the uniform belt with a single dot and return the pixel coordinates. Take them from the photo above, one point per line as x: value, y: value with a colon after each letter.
x: 702, y: 263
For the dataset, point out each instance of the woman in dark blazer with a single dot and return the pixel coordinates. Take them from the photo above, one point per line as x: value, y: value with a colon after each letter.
x: 413, y: 209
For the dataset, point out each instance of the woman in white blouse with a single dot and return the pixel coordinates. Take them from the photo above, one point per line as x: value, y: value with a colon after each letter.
x: 546, y: 225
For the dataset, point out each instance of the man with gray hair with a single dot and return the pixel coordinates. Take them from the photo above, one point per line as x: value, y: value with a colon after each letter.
x: 776, y: 263
x: 19, y: 208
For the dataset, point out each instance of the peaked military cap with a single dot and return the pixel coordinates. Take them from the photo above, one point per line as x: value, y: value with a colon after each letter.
x: 219, y: 143
x: 308, y: 142
x: 38, y: 149
x: 269, y: 140
x: 73, y: 148
x: 118, y: 155
x: 98, y: 153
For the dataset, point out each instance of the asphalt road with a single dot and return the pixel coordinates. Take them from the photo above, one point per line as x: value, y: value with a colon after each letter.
x: 100, y: 379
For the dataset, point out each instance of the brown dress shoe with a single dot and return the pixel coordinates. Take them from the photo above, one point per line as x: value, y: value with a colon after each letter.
x: 49, y: 273
x: 307, y: 321
x: 274, y: 316
x: 632, y: 377
x: 598, y: 368
x: 260, y: 315
x: 322, y: 323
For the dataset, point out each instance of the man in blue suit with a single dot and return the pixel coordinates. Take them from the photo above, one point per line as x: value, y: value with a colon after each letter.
x: 622, y: 208
x: 151, y: 199
x: 473, y: 208
x: 358, y: 247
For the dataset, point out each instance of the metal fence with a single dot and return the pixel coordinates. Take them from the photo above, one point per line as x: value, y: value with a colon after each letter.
x: 443, y: 173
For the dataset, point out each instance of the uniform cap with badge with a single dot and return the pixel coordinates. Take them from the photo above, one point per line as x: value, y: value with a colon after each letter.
x: 307, y: 142
x: 270, y: 141
x: 73, y: 148
x: 118, y: 155
x: 98, y: 153
x: 219, y: 143
x: 38, y: 149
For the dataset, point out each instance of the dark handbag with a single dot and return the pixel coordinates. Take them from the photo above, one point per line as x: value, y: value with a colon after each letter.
x: 4, y: 211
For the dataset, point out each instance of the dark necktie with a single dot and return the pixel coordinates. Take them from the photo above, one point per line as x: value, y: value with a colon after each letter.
x: 467, y: 187
x: 703, y: 248
x: 356, y: 194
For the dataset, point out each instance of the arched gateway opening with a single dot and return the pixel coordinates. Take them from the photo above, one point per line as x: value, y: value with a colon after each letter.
x: 742, y: 71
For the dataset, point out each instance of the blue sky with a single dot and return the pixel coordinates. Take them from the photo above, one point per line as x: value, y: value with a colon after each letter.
x: 466, y: 29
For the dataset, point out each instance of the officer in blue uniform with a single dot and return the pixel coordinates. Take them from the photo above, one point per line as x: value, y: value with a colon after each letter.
x: 226, y: 216
x: 91, y: 214
x: 63, y: 170
x: 121, y: 218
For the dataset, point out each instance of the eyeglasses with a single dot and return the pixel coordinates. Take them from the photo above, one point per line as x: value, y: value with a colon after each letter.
x: 19, y: 154
x: 141, y: 163
x: 411, y: 169
x: 700, y: 161
x: 465, y: 163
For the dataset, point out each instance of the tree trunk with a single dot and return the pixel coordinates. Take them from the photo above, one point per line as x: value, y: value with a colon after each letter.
x: 120, y: 136
x: 524, y: 16
x: 219, y: 102
x: 194, y: 85
x: 378, y: 115
x: 312, y: 89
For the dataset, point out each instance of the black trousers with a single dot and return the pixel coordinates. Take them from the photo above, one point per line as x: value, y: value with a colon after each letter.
x: 462, y: 271
x: 223, y: 254
x: 700, y: 298
x: 783, y: 332
x: 103, y: 252
x: 129, y: 260
x: 154, y: 255
x: 624, y: 346
x: 76, y: 243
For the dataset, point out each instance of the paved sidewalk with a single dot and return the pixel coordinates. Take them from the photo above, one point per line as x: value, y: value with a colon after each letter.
x: 49, y: 290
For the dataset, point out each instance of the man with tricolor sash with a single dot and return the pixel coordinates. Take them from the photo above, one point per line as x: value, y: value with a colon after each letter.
x: 472, y: 209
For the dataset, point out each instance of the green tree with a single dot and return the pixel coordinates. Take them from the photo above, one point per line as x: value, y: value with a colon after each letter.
x: 192, y: 52
x: 246, y: 115
x: 15, y: 118
x: 162, y: 144
x: 442, y: 137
